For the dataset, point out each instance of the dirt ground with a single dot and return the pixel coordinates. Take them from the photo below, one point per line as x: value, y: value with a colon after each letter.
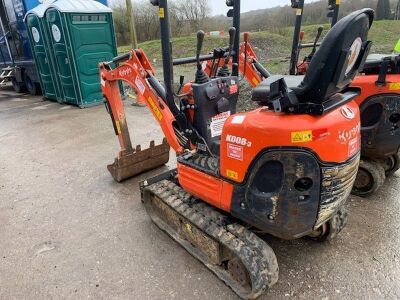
x: 68, y: 231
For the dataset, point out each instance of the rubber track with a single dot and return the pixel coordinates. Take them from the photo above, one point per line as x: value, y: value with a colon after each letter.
x: 256, y: 255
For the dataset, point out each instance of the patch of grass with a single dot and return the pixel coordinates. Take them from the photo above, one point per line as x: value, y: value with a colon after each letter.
x: 272, y: 47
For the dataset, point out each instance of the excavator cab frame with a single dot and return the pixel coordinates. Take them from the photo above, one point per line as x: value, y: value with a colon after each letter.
x: 298, y: 36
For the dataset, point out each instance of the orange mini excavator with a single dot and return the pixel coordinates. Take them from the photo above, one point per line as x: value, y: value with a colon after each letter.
x: 379, y: 104
x: 379, y: 101
x: 284, y: 169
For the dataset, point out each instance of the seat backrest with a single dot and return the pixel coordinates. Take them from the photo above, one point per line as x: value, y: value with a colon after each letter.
x: 338, y: 59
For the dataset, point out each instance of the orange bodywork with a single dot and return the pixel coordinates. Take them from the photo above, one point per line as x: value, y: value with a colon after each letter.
x: 244, y: 135
x: 247, y: 135
x: 210, y: 189
x: 134, y: 71
x: 246, y: 67
x: 367, y: 85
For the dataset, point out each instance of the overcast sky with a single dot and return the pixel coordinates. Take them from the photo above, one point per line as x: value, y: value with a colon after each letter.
x: 219, y: 7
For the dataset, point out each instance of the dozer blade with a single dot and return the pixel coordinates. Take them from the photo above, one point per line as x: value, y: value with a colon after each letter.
x: 131, y: 164
x: 236, y: 255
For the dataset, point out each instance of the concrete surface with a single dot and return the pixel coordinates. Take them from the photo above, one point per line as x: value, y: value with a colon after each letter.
x: 68, y: 230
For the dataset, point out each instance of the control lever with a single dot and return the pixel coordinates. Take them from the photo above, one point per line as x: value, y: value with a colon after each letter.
x: 246, y: 43
x: 181, y: 82
x: 224, y: 71
x: 200, y: 40
x: 201, y: 76
x: 319, y: 33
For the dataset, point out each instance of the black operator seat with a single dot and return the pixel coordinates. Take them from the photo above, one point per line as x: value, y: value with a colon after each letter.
x: 339, y: 58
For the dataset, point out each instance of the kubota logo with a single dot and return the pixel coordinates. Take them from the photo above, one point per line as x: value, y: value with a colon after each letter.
x: 125, y: 72
x: 348, y: 113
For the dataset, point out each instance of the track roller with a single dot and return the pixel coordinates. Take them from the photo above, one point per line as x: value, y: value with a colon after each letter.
x: 330, y: 230
x: 236, y: 255
x: 370, y: 177
x: 392, y: 164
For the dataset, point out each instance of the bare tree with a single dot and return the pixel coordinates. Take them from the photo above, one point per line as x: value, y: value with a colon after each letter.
x: 397, y: 12
x: 146, y: 20
x: 193, y: 11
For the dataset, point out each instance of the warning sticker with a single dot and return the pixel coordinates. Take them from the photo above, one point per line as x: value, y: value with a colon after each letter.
x: 238, y: 119
x: 233, y: 89
x: 354, y: 147
x: 118, y: 127
x: 140, y: 85
x: 155, y: 109
x: 217, y: 123
x: 255, y: 81
x: 394, y: 86
x: 232, y: 174
x: 302, y: 136
x: 235, y: 151
x: 161, y: 13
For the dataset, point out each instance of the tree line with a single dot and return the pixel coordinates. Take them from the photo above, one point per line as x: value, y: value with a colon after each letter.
x: 187, y: 16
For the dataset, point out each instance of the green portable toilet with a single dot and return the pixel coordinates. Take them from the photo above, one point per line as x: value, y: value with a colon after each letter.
x: 82, y: 35
x: 40, y: 46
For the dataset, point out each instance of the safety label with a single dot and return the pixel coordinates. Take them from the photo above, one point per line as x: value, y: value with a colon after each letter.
x: 140, y: 85
x: 238, y: 119
x: 217, y: 123
x: 255, y: 81
x: 302, y: 136
x: 394, y: 86
x: 232, y: 174
x: 155, y: 109
x: 161, y: 13
x: 235, y: 151
x: 354, y: 147
x: 233, y: 89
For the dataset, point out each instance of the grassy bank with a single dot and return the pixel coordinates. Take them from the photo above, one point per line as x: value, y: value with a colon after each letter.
x: 272, y: 47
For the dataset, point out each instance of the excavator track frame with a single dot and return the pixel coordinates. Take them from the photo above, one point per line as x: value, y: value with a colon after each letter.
x: 242, y: 260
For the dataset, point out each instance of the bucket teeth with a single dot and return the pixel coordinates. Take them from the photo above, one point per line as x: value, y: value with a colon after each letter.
x: 131, y: 164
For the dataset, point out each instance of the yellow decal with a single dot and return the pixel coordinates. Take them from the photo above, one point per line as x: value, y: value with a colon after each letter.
x: 188, y: 227
x: 155, y: 109
x: 302, y: 136
x: 338, y: 2
x: 255, y: 81
x: 394, y: 86
x: 232, y: 174
x: 118, y: 127
x: 299, y: 12
x: 161, y: 12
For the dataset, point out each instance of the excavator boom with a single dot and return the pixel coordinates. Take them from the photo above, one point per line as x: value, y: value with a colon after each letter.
x: 135, y: 69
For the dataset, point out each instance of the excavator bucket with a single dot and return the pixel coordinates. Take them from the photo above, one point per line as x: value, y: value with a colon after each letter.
x: 133, y: 163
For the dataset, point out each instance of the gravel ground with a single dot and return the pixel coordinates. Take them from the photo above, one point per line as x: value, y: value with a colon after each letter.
x: 68, y: 231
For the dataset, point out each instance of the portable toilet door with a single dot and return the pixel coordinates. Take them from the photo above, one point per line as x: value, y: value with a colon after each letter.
x: 83, y: 35
x: 42, y: 54
x: 56, y: 36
